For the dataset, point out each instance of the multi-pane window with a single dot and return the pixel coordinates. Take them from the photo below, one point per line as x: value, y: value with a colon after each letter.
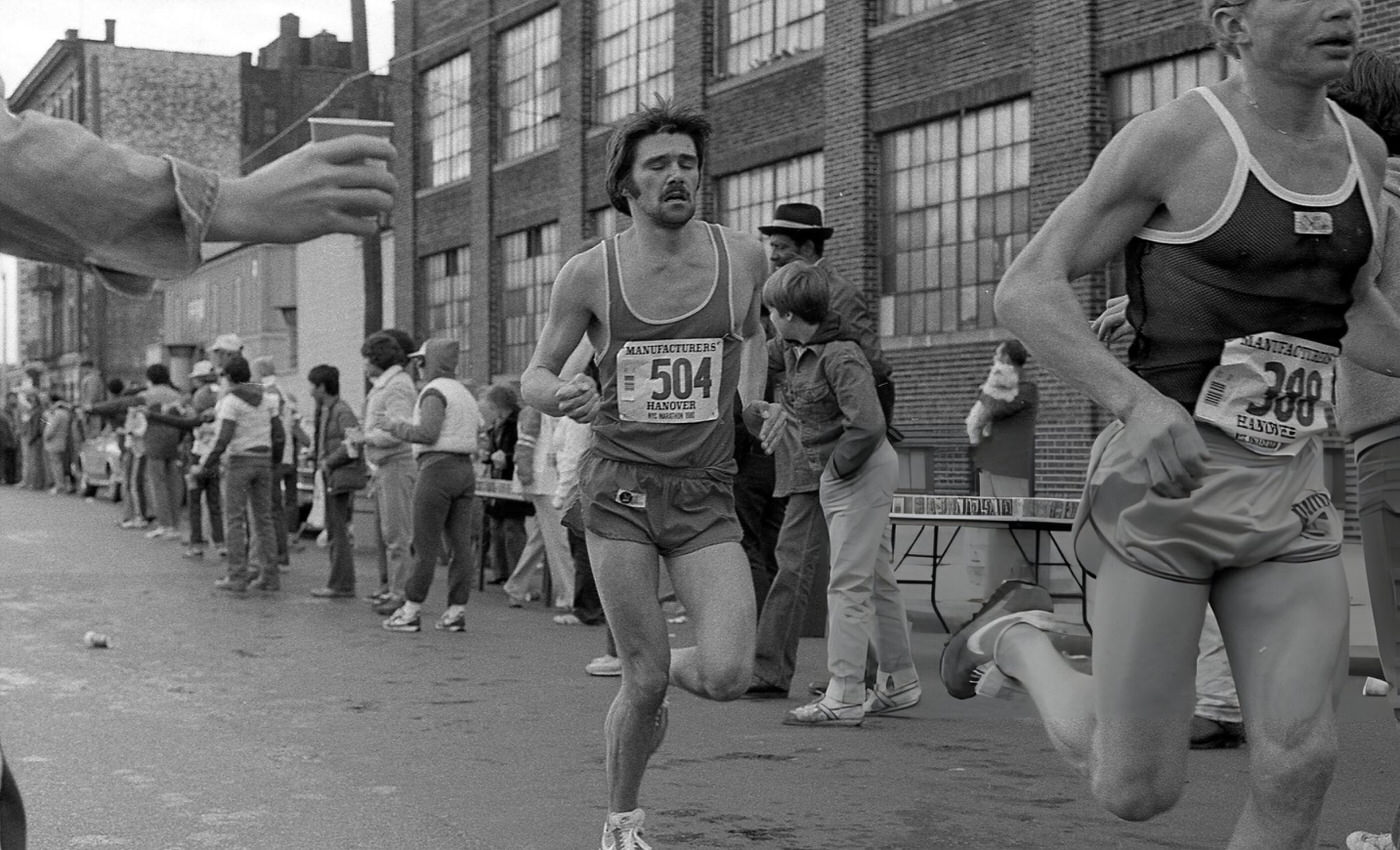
x: 529, y: 259
x: 891, y: 10
x: 634, y: 56
x: 955, y: 211
x: 1142, y: 89
x: 449, y: 286
x: 747, y: 199
x: 758, y: 31
x: 529, y: 86
x: 1146, y: 87
x: 609, y: 222
x: 447, y: 133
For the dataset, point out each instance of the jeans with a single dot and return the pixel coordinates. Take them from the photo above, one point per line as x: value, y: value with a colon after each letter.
x: 507, y: 542
x: 284, y: 508
x: 545, y: 540
x: 391, y: 487
x: 442, y: 505
x: 206, y: 491
x: 865, y: 605
x: 802, y: 546
x: 1378, y: 482
x: 339, y: 509
x: 247, y: 492
x: 761, y: 517
x: 167, y: 484
x: 1216, y: 697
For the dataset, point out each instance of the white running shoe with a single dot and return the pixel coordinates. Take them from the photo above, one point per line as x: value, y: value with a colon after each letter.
x: 604, y: 665
x: 1369, y: 841
x: 624, y: 831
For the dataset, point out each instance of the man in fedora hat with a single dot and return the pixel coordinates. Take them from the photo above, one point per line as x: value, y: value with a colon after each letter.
x: 798, y: 234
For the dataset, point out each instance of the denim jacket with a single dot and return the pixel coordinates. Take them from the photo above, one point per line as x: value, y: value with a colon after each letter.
x: 67, y: 196
x: 828, y: 387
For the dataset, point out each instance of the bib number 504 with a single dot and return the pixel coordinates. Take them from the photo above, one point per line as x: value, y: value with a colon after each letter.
x: 1292, y: 395
x: 679, y: 378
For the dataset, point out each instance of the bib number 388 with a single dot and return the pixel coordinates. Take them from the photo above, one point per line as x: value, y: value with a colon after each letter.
x: 1270, y: 392
x: 669, y: 381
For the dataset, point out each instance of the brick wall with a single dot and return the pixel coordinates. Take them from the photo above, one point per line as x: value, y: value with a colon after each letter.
x: 869, y: 79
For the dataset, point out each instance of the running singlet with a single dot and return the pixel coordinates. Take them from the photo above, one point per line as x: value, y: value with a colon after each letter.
x: 1240, y: 318
x: 667, y: 385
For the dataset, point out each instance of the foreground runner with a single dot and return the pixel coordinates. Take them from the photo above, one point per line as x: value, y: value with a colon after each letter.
x: 1247, y: 210
x: 671, y: 306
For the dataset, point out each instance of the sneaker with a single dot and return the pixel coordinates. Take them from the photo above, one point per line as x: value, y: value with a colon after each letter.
x: 1369, y: 841
x: 820, y: 713
x: 379, y: 595
x: 231, y: 584
x: 567, y: 620
x: 332, y: 593
x: 265, y: 582
x: 222, y: 552
x: 879, y: 701
x: 517, y: 601
x: 388, y: 604
x: 604, y: 665
x: 958, y: 666
x: 158, y: 531
x: 1207, y: 733
x: 452, y: 622
x: 193, y: 552
x: 402, y: 622
x: 624, y: 831
x: 132, y: 523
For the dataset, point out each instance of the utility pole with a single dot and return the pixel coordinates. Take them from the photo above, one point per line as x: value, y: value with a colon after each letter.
x: 369, y: 245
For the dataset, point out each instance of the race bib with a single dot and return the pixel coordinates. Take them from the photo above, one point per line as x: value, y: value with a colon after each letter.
x: 1271, y: 392
x: 673, y: 381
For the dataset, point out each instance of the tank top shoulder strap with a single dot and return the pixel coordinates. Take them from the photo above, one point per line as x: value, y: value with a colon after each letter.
x: 724, y: 275
x: 1367, y: 196
x: 1233, y: 192
x: 612, y: 291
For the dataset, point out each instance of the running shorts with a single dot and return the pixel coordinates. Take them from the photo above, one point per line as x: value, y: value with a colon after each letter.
x: 1250, y: 509
x: 678, y: 511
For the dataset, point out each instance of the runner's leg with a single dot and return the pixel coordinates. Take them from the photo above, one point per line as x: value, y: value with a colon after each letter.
x: 1285, y: 628
x: 627, y: 573
x: 1126, y: 726
x: 716, y: 587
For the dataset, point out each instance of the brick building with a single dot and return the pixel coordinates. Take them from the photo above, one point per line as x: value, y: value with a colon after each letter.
x: 936, y: 135
x: 222, y: 112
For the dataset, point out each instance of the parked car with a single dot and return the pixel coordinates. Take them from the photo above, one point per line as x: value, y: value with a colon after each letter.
x: 100, y: 466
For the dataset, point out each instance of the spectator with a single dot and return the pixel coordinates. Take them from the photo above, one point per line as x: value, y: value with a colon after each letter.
x: 392, y: 470
x: 91, y: 390
x: 34, y: 463
x: 443, y: 433
x: 250, y: 431
x: 58, y: 419
x: 203, y: 490
x: 1001, y: 431
x: 341, y: 474
x: 222, y: 349
x: 125, y: 410
x: 284, y: 469
x: 829, y: 392
x: 164, y: 476
x: 505, y: 518
x: 9, y: 440
x: 536, y: 468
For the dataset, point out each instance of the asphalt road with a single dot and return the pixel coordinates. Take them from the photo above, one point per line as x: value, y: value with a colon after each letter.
x: 282, y: 722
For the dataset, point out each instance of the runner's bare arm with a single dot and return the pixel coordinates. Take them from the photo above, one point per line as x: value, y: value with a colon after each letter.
x: 1373, y: 322
x: 1090, y: 228
x: 570, y: 316
x: 751, y: 262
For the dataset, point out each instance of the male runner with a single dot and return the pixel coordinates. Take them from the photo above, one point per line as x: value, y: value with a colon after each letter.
x: 1247, y: 209
x: 671, y: 306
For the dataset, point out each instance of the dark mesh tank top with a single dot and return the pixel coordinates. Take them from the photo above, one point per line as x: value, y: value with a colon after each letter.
x: 683, y: 373
x: 1246, y: 270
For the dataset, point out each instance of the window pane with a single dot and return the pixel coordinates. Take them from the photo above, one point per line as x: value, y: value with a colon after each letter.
x: 759, y: 31
x: 949, y: 241
x: 528, y: 92
x: 447, y: 130
x: 747, y: 198
x: 448, y: 277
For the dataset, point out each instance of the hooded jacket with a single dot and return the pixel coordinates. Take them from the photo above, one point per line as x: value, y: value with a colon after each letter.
x: 445, y: 416
x: 1368, y: 401
x: 248, y: 444
x: 828, y: 386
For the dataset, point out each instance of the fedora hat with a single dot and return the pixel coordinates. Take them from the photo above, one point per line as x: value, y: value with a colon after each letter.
x: 801, y: 219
